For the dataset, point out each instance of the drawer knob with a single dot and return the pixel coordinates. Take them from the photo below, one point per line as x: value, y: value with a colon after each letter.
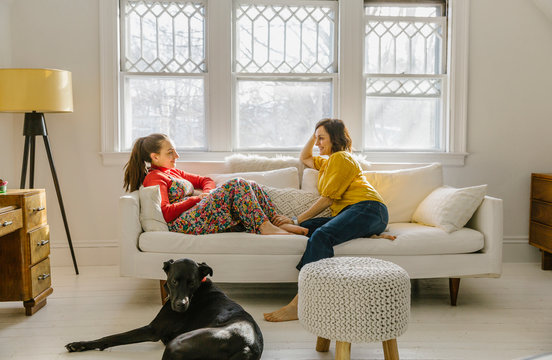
x: 7, y: 223
x: 40, y: 208
x: 42, y: 243
x: 43, y: 276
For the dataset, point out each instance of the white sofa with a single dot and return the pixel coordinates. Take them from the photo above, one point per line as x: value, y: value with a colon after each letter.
x: 423, y: 251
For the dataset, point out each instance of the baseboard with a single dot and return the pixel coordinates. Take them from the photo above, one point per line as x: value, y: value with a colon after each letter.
x: 86, y: 253
x: 516, y: 249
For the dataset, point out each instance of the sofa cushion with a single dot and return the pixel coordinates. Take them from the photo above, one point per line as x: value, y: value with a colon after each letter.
x: 280, y: 178
x: 151, y: 216
x: 402, y: 190
x: 412, y: 239
x: 449, y: 208
x: 251, y: 162
x: 309, y: 181
x: 292, y: 202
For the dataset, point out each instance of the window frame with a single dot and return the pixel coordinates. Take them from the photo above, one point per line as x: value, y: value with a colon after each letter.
x: 348, y: 91
x: 442, y: 74
x: 260, y: 76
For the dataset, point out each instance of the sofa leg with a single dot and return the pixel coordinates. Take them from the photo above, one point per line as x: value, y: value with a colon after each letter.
x: 164, y: 295
x: 454, y: 285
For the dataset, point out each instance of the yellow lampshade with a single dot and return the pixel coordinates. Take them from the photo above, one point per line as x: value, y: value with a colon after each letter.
x: 40, y: 90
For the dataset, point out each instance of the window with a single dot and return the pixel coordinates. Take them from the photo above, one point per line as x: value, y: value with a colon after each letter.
x: 163, y: 69
x: 256, y: 75
x: 285, y: 62
x: 405, y: 76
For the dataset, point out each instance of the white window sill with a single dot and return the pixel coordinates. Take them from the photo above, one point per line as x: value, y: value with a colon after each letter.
x: 446, y: 159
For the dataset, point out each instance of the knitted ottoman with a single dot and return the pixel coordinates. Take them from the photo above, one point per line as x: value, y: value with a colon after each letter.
x: 354, y: 300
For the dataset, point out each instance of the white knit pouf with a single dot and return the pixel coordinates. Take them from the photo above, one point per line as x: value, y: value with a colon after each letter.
x: 354, y: 300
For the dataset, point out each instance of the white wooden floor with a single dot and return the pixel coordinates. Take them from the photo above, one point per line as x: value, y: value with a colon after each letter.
x: 506, y: 318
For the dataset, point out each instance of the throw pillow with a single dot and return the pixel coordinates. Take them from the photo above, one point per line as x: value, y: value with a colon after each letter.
x: 292, y: 202
x: 449, y: 208
x: 403, y: 190
x: 151, y: 216
x: 280, y: 178
x: 249, y: 163
x: 310, y: 180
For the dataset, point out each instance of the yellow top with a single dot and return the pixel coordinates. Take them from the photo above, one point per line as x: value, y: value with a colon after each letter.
x: 340, y: 179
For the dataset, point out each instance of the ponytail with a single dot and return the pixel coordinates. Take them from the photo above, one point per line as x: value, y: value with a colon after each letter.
x: 135, y: 168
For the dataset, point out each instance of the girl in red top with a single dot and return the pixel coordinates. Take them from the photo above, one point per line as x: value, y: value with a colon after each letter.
x: 212, y: 210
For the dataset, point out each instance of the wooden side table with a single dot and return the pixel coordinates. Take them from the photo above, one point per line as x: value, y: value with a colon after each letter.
x: 540, y: 228
x: 24, y: 249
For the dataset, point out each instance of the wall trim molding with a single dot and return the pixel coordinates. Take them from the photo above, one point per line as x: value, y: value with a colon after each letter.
x: 521, y: 239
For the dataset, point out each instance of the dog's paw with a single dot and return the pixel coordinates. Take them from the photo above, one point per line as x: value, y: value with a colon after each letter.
x: 77, y: 346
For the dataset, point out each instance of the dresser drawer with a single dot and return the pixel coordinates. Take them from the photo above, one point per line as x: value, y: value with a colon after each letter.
x: 39, y: 244
x: 10, y: 221
x: 41, y: 278
x: 541, y: 189
x: 35, y: 210
x: 541, y: 236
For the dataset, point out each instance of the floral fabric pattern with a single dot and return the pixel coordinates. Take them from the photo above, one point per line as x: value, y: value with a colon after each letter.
x: 237, y: 201
x: 180, y: 189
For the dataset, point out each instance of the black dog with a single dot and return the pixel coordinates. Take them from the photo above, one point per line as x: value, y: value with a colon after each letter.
x: 198, y: 322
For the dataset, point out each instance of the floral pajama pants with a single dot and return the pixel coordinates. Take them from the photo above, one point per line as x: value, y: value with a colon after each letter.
x: 234, y: 202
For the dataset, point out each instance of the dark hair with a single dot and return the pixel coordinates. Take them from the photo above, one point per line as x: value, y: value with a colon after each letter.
x: 135, y: 168
x: 339, y: 136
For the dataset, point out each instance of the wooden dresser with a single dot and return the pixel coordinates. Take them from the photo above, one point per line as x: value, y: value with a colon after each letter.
x: 24, y: 249
x: 540, y: 229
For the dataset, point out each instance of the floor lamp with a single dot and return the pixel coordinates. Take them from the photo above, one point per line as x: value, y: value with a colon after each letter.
x: 35, y: 92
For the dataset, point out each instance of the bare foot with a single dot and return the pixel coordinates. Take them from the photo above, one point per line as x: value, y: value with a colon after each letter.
x: 267, y: 228
x: 383, y: 236
x: 296, y: 229
x: 287, y: 313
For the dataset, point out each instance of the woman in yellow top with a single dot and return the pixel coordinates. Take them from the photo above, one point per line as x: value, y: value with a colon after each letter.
x: 357, y: 209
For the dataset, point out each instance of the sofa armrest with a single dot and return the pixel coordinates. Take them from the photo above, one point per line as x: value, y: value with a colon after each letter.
x: 488, y: 219
x: 129, y: 231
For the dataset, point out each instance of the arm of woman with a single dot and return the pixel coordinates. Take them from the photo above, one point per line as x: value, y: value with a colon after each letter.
x: 206, y: 184
x: 320, y: 205
x: 306, y: 153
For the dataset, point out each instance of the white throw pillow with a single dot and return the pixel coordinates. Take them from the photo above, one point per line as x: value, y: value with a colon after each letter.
x: 403, y: 190
x: 151, y: 216
x: 449, y: 208
x: 310, y: 180
x: 248, y: 163
x: 280, y: 178
x: 292, y: 202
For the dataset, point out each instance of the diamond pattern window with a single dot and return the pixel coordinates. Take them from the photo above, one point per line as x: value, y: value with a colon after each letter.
x: 285, y: 69
x: 163, y: 68
x: 405, y: 76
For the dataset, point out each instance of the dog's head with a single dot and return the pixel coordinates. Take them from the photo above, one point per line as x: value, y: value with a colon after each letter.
x: 184, y: 277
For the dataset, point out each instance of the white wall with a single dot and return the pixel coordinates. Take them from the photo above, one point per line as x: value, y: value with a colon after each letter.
x: 510, y: 108
x: 7, y: 169
x: 63, y: 34
x: 509, y: 126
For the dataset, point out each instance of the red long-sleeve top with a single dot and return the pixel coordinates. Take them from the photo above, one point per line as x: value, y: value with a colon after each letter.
x: 162, y: 176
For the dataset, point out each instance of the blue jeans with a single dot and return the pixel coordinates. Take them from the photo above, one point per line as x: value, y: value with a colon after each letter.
x: 362, y: 219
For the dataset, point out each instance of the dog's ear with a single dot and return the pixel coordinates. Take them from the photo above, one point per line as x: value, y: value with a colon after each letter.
x: 167, y: 265
x: 204, y: 270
